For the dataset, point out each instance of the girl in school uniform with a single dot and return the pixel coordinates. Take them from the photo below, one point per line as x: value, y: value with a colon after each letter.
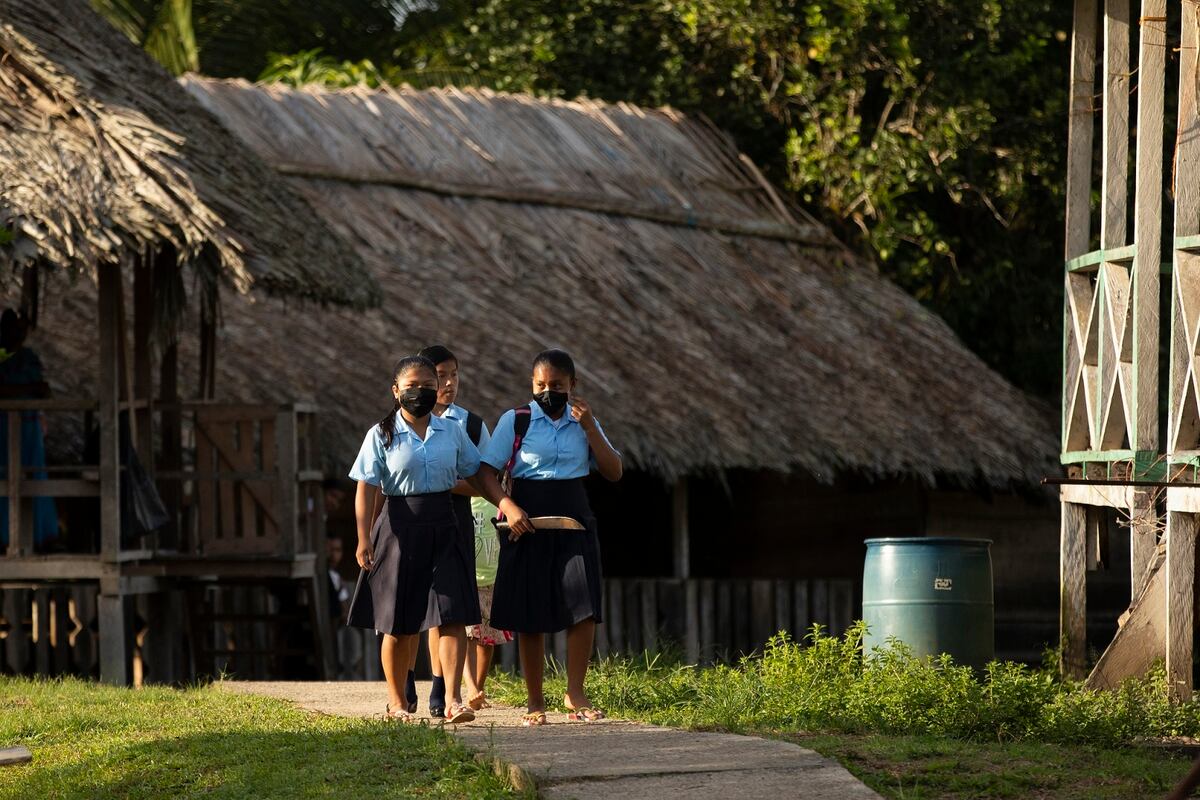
x: 446, y: 364
x: 416, y: 573
x: 549, y: 580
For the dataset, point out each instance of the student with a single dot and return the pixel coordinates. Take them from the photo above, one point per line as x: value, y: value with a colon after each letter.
x: 446, y: 364
x: 549, y: 580
x: 416, y: 574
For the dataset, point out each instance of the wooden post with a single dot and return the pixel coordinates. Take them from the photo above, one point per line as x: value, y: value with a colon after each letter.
x: 1147, y: 236
x: 1080, y: 128
x: 1072, y: 623
x: 1143, y: 532
x: 691, y: 625
x: 17, y: 543
x: 285, y: 463
x: 171, y: 536
x: 1181, y: 577
x: 208, y: 351
x: 114, y: 647
x: 143, y: 375
x: 679, y: 529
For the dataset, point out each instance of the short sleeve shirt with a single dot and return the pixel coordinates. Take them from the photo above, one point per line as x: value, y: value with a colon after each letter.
x: 459, y: 415
x: 412, y: 465
x: 551, y: 450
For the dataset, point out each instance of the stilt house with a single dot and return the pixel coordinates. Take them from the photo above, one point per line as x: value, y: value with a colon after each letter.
x: 126, y: 209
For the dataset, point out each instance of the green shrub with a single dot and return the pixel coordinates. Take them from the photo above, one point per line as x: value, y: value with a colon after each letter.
x: 829, y: 684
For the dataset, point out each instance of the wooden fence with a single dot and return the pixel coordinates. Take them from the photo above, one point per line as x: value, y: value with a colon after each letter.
x: 703, y: 621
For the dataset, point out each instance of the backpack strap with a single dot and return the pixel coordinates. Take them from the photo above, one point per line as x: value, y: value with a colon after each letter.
x: 521, y: 417
x: 474, y: 427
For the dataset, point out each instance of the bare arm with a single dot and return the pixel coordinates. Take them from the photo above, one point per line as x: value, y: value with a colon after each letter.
x: 608, y: 460
x: 368, y: 504
x: 464, y: 488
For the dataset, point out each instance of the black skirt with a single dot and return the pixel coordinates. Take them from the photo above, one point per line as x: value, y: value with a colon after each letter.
x: 547, y: 581
x: 422, y: 577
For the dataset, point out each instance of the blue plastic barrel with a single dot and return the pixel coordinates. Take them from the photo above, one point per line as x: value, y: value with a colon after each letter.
x: 934, y: 594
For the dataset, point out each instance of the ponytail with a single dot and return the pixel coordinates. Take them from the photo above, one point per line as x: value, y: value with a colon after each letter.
x: 387, y: 425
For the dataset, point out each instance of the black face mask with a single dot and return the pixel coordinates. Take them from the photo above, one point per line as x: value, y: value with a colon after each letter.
x: 418, y: 400
x: 551, y: 402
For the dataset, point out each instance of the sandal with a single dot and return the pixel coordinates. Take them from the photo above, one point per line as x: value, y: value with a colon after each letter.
x: 479, y: 701
x: 458, y: 712
x: 533, y: 719
x: 583, y: 713
x: 399, y: 714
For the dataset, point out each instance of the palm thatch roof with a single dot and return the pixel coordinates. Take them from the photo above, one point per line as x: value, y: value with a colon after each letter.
x: 713, y: 325
x: 104, y: 156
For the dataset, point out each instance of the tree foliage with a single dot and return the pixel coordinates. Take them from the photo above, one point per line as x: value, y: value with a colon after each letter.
x: 929, y: 133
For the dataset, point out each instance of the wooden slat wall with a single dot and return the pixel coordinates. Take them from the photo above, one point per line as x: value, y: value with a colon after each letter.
x: 708, y: 621
x: 49, y: 631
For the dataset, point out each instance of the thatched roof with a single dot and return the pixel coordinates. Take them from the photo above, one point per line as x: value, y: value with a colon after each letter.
x: 103, y: 156
x: 713, y: 326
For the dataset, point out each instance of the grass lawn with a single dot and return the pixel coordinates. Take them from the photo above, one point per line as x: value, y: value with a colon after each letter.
x: 921, y: 767
x: 903, y: 766
x: 92, y: 741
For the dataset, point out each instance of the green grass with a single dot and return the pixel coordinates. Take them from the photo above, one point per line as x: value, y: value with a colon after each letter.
x: 92, y: 741
x: 909, y: 727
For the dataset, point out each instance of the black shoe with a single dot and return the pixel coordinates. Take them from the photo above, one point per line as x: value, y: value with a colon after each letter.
x: 437, y: 698
x: 410, y: 693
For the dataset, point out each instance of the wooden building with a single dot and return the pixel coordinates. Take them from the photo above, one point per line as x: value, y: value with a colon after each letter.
x: 1131, y: 413
x: 127, y: 216
x: 777, y: 400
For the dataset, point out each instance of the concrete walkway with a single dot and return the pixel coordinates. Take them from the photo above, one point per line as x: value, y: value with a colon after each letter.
x: 607, y: 759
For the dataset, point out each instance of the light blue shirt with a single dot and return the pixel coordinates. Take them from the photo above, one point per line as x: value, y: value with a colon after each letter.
x: 412, y: 465
x: 551, y: 450
x: 459, y: 414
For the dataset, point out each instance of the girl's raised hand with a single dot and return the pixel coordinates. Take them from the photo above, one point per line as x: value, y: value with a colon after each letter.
x: 365, y: 555
x: 581, y: 412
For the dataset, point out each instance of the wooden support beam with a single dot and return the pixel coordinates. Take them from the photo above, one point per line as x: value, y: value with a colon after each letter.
x: 1143, y: 536
x: 1072, y: 623
x: 1147, y: 229
x: 1080, y: 127
x: 115, y: 652
x: 108, y: 391
x: 171, y: 458
x: 18, y: 544
x: 143, y: 366
x: 1104, y: 496
x: 1181, y: 580
x: 1115, y: 136
x: 286, y: 463
x: 679, y: 529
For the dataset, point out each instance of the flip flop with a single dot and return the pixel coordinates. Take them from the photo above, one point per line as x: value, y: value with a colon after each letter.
x: 533, y: 719
x: 583, y: 713
x: 399, y: 715
x: 459, y: 713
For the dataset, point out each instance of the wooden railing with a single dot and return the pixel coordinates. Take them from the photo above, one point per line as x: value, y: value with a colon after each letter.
x: 237, y: 480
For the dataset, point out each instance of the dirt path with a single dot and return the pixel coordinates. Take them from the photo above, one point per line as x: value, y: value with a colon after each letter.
x: 608, y: 759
